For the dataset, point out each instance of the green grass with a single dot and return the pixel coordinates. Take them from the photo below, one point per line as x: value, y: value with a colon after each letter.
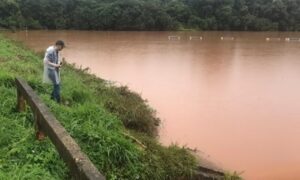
x: 97, y: 114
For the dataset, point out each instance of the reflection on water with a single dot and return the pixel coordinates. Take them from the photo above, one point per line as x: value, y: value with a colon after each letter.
x: 237, y: 100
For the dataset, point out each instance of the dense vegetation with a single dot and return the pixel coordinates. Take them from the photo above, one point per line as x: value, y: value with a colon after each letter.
x: 283, y: 15
x: 114, y: 126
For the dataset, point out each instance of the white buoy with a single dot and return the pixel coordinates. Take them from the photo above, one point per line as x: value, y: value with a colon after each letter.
x: 292, y: 39
x: 273, y: 39
x: 174, y: 37
x: 227, y: 38
x: 196, y: 38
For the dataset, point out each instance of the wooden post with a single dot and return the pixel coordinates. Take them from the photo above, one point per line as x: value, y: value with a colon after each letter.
x: 21, y: 104
x: 40, y: 135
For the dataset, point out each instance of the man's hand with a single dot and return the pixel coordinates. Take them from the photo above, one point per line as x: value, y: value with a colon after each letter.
x: 62, y: 62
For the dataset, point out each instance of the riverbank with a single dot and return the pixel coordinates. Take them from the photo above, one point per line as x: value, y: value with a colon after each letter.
x: 114, y: 126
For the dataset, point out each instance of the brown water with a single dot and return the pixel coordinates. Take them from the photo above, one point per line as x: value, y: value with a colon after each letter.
x: 236, y: 100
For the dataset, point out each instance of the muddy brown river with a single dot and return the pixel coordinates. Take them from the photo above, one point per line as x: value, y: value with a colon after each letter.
x: 233, y: 95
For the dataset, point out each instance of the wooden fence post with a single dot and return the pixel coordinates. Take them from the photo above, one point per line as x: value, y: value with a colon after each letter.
x: 40, y: 135
x: 21, y: 103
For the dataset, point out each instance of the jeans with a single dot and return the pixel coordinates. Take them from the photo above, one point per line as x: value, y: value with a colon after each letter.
x: 55, y: 95
x: 53, y: 76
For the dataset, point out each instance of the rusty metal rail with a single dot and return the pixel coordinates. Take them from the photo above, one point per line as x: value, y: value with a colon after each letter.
x: 79, y: 164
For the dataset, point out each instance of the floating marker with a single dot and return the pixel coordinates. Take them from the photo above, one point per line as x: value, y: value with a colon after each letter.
x: 174, y: 37
x: 273, y: 39
x: 196, y: 38
x: 293, y: 39
x: 227, y: 38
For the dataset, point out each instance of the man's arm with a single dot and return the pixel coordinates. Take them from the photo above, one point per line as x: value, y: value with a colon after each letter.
x: 50, y: 60
x: 52, y: 64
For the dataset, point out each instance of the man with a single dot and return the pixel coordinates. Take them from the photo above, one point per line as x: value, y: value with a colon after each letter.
x: 52, y: 64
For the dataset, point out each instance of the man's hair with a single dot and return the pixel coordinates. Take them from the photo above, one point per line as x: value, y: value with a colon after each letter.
x: 60, y: 43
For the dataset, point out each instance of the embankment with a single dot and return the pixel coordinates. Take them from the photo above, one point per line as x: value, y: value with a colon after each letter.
x: 114, y: 126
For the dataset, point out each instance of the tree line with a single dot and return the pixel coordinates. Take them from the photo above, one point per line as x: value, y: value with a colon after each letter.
x: 245, y: 15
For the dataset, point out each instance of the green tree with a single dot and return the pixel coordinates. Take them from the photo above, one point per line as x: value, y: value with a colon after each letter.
x: 10, y: 15
x: 245, y: 15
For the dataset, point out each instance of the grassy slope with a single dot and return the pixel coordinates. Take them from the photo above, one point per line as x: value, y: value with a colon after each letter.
x: 95, y: 112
